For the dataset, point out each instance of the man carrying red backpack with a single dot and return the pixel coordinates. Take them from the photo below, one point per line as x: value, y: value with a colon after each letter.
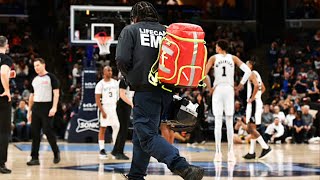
x: 137, y: 50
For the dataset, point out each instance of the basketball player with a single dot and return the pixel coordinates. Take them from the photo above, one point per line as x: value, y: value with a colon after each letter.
x: 5, y: 104
x: 223, y: 95
x: 43, y: 102
x: 254, y: 112
x: 137, y: 50
x: 107, y: 95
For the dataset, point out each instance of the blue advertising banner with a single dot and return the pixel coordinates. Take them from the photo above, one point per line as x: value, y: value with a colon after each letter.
x: 85, y: 125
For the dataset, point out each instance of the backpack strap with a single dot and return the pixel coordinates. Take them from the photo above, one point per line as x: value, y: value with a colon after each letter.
x: 167, y: 89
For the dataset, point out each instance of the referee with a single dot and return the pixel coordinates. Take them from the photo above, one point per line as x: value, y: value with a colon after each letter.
x: 5, y: 104
x: 43, y: 103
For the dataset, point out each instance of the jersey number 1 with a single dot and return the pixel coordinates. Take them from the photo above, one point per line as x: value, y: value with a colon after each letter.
x: 224, y: 71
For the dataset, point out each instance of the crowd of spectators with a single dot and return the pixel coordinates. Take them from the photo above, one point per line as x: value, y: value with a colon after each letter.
x: 294, y: 85
x: 295, y: 69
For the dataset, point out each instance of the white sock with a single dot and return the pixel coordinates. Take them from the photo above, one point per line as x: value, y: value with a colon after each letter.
x: 230, y: 171
x: 252, y: 145
x: 217, y: 133
x: 115, y: 131
x: 101, y: 144
x: 263, y: 144
x: 229, y: 124
x: 218, y: 168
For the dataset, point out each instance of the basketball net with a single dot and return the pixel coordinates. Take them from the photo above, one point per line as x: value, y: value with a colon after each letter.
x: 103, y: 42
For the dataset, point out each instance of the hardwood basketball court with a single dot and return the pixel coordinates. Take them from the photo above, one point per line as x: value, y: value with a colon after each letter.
x: 81, y: 162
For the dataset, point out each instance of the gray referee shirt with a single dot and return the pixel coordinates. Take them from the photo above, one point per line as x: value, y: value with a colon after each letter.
x: 43, y: 86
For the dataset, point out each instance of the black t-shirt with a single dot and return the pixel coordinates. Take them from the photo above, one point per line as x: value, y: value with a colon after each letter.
x: 4, y: 60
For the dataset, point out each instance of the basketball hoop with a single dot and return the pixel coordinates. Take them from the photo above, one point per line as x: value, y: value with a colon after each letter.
x: 103, y: 42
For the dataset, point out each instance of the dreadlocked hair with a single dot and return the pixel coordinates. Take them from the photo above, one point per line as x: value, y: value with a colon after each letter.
x: 144, y: 11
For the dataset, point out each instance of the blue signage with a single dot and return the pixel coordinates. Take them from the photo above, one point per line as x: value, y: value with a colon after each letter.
x: 85, y: 125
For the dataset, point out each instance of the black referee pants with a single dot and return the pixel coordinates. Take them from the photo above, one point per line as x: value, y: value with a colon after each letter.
x: 41, y: 120
x: 123, y: 112
x: 5, y: 128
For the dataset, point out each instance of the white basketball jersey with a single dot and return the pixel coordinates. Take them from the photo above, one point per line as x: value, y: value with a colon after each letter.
x: 250, y: 86
x: 223, y: 70
x: 109, y: 91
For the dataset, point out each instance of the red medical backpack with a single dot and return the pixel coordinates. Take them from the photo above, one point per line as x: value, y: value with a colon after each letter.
x: 182, y: 57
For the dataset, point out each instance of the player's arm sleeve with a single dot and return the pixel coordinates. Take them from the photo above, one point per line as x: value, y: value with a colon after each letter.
x: 247, y: 73
x: 244, y: 68
x: 124, y: 51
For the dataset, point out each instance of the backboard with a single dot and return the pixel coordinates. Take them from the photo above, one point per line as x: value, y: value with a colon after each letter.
x: 86, y: 21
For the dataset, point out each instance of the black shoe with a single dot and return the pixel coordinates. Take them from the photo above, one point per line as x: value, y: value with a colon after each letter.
x: 102, y: 154
x: 4, y: 170
x: 265, y: 152
x: 56, y: 158
x: 250, y: 156
x: 122, y: 157
x: 191, y: 173
x: 33, y: 162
